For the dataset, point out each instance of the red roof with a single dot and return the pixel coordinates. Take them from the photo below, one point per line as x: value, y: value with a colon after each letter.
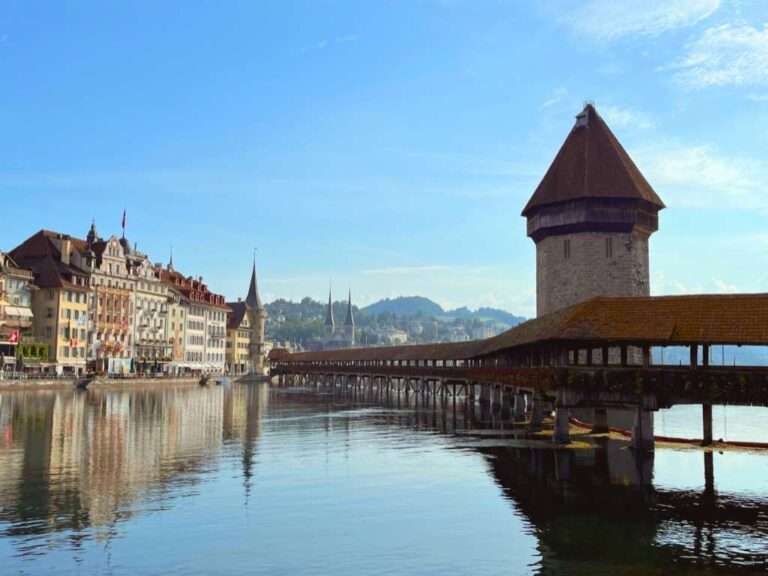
x: 236, y: 316
x: 192, y: 289
x: 591, y: 164
x: 39, y: 254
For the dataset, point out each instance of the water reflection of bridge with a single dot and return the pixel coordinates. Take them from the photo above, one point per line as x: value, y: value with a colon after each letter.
x: 74, y: 461
x: 599, y: 497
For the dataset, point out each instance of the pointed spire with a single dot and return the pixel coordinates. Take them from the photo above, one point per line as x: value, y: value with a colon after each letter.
x: 350, y: 320
x: 170, y: 260
x: 253, y: 300
x: 92, y: 234
x: 329, y: 321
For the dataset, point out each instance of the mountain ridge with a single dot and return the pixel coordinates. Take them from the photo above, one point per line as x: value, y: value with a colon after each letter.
x: 423, y: 306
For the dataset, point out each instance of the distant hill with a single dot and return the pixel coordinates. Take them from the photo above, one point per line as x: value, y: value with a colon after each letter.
x: 487, y: 314
x: 405, y: 306
x: 418, y: 305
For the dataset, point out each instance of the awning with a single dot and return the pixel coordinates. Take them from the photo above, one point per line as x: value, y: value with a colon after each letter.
x: 18, y: 311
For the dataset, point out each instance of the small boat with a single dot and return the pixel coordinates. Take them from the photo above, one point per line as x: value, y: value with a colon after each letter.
x: 204, y: 380
x: 82, y: 383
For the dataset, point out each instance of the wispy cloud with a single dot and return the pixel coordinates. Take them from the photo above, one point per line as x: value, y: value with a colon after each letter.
x: 723, y: 286
x: 731, y: 54
x: 622, y: 117
x: 607, y: 20
x: 700, y: 176
x: 329, y: 42
x: 557, y: 96
x: 663, y: 285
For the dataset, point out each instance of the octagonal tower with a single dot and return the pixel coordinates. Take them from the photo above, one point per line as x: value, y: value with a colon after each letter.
x: 591, y: 218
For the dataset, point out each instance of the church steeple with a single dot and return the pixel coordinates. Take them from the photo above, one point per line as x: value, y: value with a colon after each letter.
x: 350, y: 319
x: 330, y: 323
x: 257, y: 317
x: 349, y: 323
x: 170, y: 260
x: 92, y: 236
x: 253, y: 299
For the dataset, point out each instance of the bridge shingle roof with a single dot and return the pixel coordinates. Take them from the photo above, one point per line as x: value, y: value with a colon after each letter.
x: 660, y: 320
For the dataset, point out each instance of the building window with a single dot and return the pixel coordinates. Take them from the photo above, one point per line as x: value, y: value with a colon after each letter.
x: 567, y: 248
x: 609, y: 247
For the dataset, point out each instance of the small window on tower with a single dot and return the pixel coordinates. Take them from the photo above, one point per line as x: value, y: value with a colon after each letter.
x: 609, y: 247
x: 567, y: 248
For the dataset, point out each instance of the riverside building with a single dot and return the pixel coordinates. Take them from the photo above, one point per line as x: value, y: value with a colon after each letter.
x: 238, y: 339
x: 67, y: 304
x: 60, y: 304
x: 15, y: 311
x: 178, y: 305
x: 204, y: 317
x: 112, y: 303
x: 152, y: 342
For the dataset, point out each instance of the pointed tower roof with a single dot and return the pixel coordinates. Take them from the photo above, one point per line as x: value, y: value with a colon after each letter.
x: 329, y: 321
x: 253, y: 300
x: 350, y: 319
x: 591, y: 163
x: 92, y: 236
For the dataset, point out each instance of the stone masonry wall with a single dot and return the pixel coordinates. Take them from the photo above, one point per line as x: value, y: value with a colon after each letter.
x: 589, y: 271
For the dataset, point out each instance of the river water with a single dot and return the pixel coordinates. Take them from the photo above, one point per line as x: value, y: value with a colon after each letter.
x: 250, y: 480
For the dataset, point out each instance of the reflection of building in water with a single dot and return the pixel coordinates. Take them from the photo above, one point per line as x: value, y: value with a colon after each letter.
x: 71, y: 460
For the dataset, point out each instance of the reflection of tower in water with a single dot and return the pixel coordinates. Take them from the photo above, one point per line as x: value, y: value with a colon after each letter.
x: 244, y: 407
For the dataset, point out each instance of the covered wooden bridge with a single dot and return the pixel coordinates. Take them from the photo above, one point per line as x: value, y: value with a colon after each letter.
x: 602, y: 353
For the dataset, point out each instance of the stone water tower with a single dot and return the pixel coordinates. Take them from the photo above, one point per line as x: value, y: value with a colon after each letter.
x: 591, y: 218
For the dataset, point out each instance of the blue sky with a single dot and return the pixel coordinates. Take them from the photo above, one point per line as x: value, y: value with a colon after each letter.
x: 388, y: 146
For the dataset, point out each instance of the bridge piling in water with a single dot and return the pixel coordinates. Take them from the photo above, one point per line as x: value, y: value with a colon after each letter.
x: 562, y: 434
x: 519, y: 405
x: 706, y: 414
x: 642, y: 430
x: 600, y: 421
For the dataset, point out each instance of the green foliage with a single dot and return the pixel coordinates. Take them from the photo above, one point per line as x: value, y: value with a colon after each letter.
x: 32, y: 352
